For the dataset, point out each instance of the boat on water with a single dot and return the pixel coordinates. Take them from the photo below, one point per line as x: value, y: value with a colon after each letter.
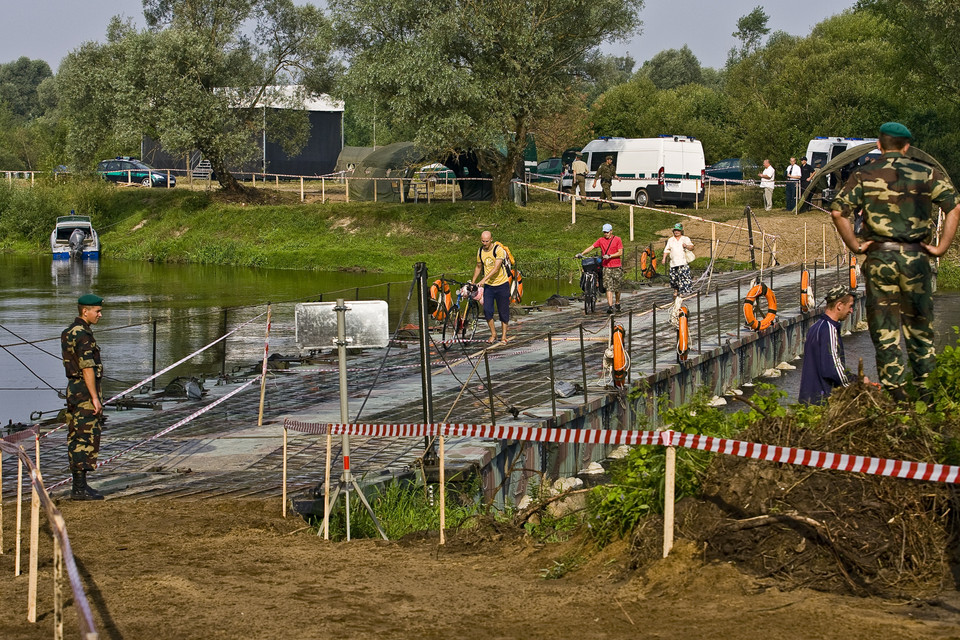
x: 74, y: 237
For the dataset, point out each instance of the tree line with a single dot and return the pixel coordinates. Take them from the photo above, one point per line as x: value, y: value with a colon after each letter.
x: 455, y: 75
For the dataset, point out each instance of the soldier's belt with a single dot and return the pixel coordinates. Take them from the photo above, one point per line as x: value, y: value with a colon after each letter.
x: 899, y: 247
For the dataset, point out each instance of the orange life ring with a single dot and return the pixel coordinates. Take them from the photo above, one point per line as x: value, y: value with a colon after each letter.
x: 683, y: 334
x: 648, y: 262
x: 804, y: 288
x: 620, y: 358
x: 853, y: 272
x: 444, y: 301
x: 755, y: 292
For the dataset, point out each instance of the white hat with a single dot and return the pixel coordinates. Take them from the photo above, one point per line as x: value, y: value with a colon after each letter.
x: 607, y: 227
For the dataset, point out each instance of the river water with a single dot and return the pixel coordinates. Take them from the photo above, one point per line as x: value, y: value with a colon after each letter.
x: 38, y: 300
x: 187, y: 302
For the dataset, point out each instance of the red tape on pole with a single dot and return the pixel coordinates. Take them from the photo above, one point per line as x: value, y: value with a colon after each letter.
x: 803, y: 457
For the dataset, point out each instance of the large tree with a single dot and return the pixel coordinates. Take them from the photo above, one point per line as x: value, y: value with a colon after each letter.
x: 19, y: 81
x: 474, y: 74
x: 198, y: 78
x: 673, y: 68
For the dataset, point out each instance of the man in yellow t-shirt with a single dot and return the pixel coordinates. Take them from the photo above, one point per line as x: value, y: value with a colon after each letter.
x: 496, y: 283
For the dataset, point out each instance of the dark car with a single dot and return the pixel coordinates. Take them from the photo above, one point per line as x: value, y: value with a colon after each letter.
x: 126, y: 169
x: 549, y: 170
x: 730, y: 169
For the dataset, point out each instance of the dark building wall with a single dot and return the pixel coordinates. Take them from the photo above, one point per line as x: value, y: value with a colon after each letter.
x: 318, y: 156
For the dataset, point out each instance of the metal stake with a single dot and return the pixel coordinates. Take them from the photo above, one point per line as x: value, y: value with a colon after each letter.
x: 426, y: 379
x: 699, y: 344
x: 553, y: 377
x: 583, y: 368
x: 654, y: 348
x: 493, y: 413
x: 716, y: 293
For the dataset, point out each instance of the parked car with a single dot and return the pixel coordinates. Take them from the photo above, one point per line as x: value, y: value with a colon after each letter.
x: 549, y: 170
x: 127, y: 169
x: 438, y: 171
x: 731, y: 169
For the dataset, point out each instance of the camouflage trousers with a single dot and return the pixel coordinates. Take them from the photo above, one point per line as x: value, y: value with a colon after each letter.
x: 900, y: 296
x: 83, y: 437
x: 612, y: 279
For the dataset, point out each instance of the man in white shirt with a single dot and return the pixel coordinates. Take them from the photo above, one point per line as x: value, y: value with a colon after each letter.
x: 766, y: 183
x: 793, y: 184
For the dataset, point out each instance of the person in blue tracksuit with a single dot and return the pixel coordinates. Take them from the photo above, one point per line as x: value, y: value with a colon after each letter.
x: 824, y: 367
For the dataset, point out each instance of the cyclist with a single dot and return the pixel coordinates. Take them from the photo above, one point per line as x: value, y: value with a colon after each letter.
x: 611, y: 247
x: 496, y: 283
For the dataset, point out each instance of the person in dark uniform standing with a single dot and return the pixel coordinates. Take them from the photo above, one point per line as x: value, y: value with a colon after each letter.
x: 899, y: 198
x: 605, y: 174
x: 81, y: 362
x: 806, y: 172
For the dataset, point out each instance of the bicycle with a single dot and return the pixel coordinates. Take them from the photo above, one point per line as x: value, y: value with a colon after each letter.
x: 463, y: 316
x: 590, y: 282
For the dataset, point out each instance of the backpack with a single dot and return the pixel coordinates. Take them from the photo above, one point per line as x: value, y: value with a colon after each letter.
x: 514, y: 276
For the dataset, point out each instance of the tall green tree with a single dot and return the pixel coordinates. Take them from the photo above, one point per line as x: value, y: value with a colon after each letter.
x: 673, y: 68
x: 198, y: 78
x: 751, y: 28
x: 471, y: 74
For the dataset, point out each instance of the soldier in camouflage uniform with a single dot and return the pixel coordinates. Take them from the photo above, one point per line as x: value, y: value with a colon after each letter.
x: 81, y: 361
x: 605, y: 174
x: 899, y: 198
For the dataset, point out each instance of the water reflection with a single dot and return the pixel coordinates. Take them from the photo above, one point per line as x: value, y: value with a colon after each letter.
x: 74, y: 273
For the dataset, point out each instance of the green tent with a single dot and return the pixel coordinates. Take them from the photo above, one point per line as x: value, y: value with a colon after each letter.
x: 350, y: 157
x: 392, y: 161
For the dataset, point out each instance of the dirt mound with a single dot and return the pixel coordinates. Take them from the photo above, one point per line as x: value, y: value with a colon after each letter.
x: 833, y: 531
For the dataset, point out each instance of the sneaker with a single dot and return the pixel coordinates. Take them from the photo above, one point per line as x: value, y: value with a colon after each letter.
x: 610, y: 311
x: 618, y: 307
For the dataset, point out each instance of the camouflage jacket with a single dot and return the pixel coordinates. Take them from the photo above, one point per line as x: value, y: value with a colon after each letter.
x: 80, y: 350
x: 899, y: 197
x: 606, y: 172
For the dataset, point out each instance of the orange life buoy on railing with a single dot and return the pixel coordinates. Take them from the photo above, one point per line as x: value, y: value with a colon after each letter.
x: 621, y: 359
x: 804, y: 291
x: 755, y: 292
x: 648, y: 262
x: 440, y: 294
x: 853, y: 272
x: 683, y: 334
x: 516, y: 286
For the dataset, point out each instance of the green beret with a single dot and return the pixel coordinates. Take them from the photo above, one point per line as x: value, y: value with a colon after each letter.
x: 90, y: 300
x: 896, y: 130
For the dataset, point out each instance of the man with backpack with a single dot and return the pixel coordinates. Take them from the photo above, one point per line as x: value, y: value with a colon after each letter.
x: 611, y: 248
x: 493, y: 262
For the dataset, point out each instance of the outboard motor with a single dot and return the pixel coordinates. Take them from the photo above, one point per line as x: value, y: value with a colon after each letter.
x: 76, y: 243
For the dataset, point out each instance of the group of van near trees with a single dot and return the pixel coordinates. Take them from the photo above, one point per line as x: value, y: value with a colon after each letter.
x: 461, y: 74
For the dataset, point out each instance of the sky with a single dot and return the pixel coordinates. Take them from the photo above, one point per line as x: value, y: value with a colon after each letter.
x: 49, y: 29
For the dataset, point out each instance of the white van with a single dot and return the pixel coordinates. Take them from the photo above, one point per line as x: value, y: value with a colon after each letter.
x: 667, y: 169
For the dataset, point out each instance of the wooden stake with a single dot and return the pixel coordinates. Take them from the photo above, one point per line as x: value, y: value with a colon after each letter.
x: 326, y: 491
x: 804, y: 245
x: 823, y: 228
x: 443, y: 495
x: 374, y: 189
x: 323, y: 190
x: 57, y: 589
x: 34, y: 552
x: 631, y: 223
x: 301, y: 188
x: 16, y: 560
x: 573, y: 206
x: 668, y: 495
x: 346, y: 181
x: 263, y: 373
x: 284, y: 472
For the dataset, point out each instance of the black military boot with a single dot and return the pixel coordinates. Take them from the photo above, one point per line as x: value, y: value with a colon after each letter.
x: 81, y: 491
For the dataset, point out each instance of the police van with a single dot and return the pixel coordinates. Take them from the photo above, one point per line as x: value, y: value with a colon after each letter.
x: 666, y: 169
x: 822, y: 150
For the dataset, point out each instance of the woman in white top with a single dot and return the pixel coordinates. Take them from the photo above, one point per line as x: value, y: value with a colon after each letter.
x: 675, y: 253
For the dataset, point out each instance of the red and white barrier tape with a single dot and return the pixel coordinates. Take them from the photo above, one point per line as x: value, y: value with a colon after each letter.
x: 164, y: 432
x: 803, y: 457
x: 182, y: 360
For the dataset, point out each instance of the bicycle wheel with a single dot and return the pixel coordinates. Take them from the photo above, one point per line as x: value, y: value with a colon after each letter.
x: 470, y: 320
x: 449, y: 325
x: 590, y: 293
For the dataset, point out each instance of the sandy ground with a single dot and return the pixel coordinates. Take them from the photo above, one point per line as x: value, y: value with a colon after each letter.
x: 165, y: 569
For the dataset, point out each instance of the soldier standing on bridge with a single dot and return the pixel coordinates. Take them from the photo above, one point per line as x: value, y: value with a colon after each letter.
x: 81, y: 361
x: 898, y: 196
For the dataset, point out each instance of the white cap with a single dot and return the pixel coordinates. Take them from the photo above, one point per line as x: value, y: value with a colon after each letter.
x: 607, y: 227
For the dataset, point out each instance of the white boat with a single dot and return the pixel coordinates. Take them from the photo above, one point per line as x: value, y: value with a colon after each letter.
x: 74, y: 237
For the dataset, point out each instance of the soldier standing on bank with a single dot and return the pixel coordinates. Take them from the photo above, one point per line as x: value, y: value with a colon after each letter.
x: 606, y: 172
x: 81, y: 361
x: 899, y: 197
